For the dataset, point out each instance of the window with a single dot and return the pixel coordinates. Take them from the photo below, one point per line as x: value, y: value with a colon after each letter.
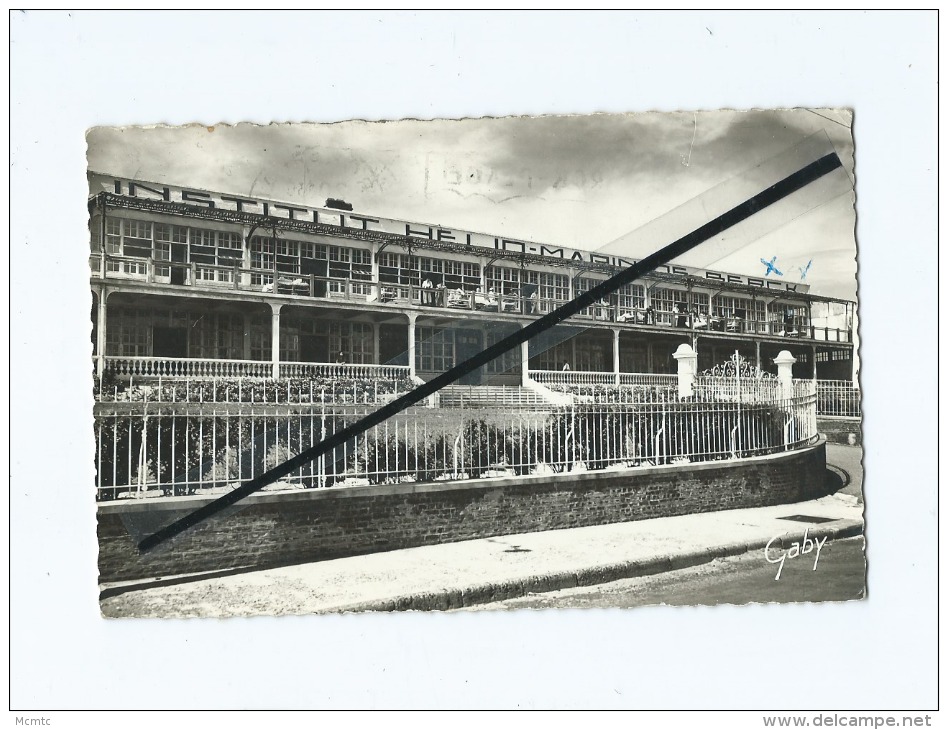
x: 261, y: 257
x: 554, y: 358
x: 461, y: 275
x: 434, y: 350
x: 113, y: 236
x: 510, y: 360
x: 399, y: 269
x: 136, y: 239
x: 258, y: 330
x: 631, y: 299
x: 550, y: 288
x: 128, y: 333
x: 788, y: 319
x: 353, y: 339
x: 665, y: 301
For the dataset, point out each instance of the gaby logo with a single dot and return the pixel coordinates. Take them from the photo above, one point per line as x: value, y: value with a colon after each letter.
x: 796, y: 550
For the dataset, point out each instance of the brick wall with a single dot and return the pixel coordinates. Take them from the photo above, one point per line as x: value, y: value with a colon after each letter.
x: 278, y: 529
x: 840, y: 429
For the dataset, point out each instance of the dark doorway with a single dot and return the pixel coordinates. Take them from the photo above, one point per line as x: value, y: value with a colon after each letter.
x: 170, y: 342
x: 179, y: 255
x: 314, y: 348
x: 316, y: 267
x: 393, y: 344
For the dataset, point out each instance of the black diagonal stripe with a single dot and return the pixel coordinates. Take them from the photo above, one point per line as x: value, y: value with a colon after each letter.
x: 712, y: 228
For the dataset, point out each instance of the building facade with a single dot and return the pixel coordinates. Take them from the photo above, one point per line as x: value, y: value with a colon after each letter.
x: 195, y: 284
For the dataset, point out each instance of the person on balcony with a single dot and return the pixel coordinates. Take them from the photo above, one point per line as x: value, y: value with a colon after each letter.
x: 341, y: 358
x: 681, y: 315
x: 427, y: 295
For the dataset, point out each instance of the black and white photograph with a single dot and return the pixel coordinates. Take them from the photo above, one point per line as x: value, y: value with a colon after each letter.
x: 474, y: 360
x: 691, y: 435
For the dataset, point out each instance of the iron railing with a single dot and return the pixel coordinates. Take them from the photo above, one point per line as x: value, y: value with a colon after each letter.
x: 155, y: 448
x: 838, y: 398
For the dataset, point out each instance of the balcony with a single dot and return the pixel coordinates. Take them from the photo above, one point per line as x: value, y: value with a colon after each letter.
x: 211, y: 278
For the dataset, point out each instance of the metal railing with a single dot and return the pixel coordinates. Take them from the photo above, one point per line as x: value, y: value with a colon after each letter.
x: 838, y: 398
x: 174, y: 448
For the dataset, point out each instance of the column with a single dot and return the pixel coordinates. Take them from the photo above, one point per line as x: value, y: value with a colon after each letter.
x: 650, y: 358
x: 411, y: 344
x: 687, y: 367
x: 784, y: 362
x: 275, y: 339
x: 377, y: 287
x: 524, y: 360
x: 100, y: 339
x: 376, y: 352
x: 813, y: 355
x: 757, y: 353
x: 615, y: 353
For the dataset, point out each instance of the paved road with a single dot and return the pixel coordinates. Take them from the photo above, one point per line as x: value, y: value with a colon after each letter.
x: 839, y: 576
x: 845, y: 466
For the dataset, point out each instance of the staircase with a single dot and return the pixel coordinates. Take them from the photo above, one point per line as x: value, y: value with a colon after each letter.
x: 490, y: 396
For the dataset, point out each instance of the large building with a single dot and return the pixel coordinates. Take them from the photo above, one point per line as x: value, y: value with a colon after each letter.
x: 191, y: 283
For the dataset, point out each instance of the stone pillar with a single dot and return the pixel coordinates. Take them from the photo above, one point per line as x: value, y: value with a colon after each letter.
x: 687, y: 368
x: 757, y: 354
x: 411, y: 344
x: 784, y: 362
x: 524, y: 360
x: 100, y: 340
x: 275, y: 339
x: 615, y: 353
x: 813, y: 355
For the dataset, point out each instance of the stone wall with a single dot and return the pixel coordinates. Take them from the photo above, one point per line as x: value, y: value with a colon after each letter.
x: 269, y: 529
x: 840, y: 429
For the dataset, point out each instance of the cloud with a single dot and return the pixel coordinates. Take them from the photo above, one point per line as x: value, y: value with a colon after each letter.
x: 579, y: 181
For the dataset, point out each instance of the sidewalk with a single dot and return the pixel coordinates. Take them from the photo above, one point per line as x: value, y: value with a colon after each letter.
x: 453, y: 575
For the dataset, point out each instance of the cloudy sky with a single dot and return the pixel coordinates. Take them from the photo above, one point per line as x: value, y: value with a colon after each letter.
x: 584, y: 181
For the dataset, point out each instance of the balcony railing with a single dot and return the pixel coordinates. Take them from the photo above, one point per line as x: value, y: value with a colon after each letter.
x: 186, y: 367
x: 267, y: 281
x: 572, y: 377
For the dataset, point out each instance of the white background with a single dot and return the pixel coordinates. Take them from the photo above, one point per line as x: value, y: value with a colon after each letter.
x: 72, y: 71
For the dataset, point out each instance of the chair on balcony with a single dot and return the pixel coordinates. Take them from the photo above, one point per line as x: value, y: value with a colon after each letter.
x: 285, y: 285
x: 458, y: 299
